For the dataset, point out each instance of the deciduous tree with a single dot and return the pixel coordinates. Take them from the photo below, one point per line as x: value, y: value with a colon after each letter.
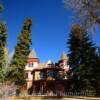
x: 87, y: 12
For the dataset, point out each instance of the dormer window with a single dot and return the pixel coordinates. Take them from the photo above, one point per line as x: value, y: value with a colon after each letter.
x: 31, y: 64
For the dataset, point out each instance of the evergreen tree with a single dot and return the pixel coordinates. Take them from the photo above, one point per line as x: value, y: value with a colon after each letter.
x: 83, y: 60
x: 3, y: 44
x: 21, y: 53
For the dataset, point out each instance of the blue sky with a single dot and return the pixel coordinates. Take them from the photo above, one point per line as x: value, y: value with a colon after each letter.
x: 51, y: 25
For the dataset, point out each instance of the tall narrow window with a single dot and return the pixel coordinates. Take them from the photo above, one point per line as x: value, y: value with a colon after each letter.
x: 29, y: 64
x: 32, y: 64
x: 26, y: 75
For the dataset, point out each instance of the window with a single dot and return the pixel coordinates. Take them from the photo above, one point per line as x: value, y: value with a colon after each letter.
x: 26, y: 75
x: 50, y: 73
x: 42, y: 75
x: 31, y: 64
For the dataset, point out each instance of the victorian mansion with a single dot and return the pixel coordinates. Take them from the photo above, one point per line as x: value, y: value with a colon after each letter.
x: 46, y: 77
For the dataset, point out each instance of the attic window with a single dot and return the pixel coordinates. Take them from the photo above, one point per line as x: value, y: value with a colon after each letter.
x: 31, y: 64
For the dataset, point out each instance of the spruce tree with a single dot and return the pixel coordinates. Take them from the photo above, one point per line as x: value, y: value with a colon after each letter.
x: 3, y: 44
x: 21, y: 53
x: 82, y: 59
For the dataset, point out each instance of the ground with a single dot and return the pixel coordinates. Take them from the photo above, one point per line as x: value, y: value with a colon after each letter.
x: 53, y: 98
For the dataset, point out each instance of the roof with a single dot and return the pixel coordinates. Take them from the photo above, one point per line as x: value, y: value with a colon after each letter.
x: 49, y: 62
x: 63, y: 56
x: 32, y: 54
x: 42, y: 66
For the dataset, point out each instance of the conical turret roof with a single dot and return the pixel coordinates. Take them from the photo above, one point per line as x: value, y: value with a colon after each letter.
x: 49, y: 62
x: 32, y: 54
x: 63, y: 56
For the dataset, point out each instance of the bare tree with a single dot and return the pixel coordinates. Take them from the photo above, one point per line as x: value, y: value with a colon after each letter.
x: 87, y: 12
x: 7, y: 89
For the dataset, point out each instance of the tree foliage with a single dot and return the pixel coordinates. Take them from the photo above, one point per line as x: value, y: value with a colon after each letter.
x: 3, y: 44
x: 21, y: 53
x: 87, y: 12
x: 83, y: 60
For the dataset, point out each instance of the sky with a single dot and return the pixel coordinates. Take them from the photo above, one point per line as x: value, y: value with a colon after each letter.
x: 50, y: 30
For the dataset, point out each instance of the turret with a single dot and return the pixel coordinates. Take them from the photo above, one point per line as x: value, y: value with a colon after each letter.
x: 33, y: 62
x: 33, y: 59
x: 63, y: 59
x: 63, y: 63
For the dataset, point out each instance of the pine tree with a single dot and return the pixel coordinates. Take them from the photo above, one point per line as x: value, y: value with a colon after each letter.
x: 22, y: 51
x: 82, y: 59
x: 3, y: 43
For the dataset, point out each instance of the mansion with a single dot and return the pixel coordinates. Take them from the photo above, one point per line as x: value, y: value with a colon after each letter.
x: 46, y: 77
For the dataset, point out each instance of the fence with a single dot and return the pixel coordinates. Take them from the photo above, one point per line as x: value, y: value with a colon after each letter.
x: 58, y: 93
x: 79, y: 94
